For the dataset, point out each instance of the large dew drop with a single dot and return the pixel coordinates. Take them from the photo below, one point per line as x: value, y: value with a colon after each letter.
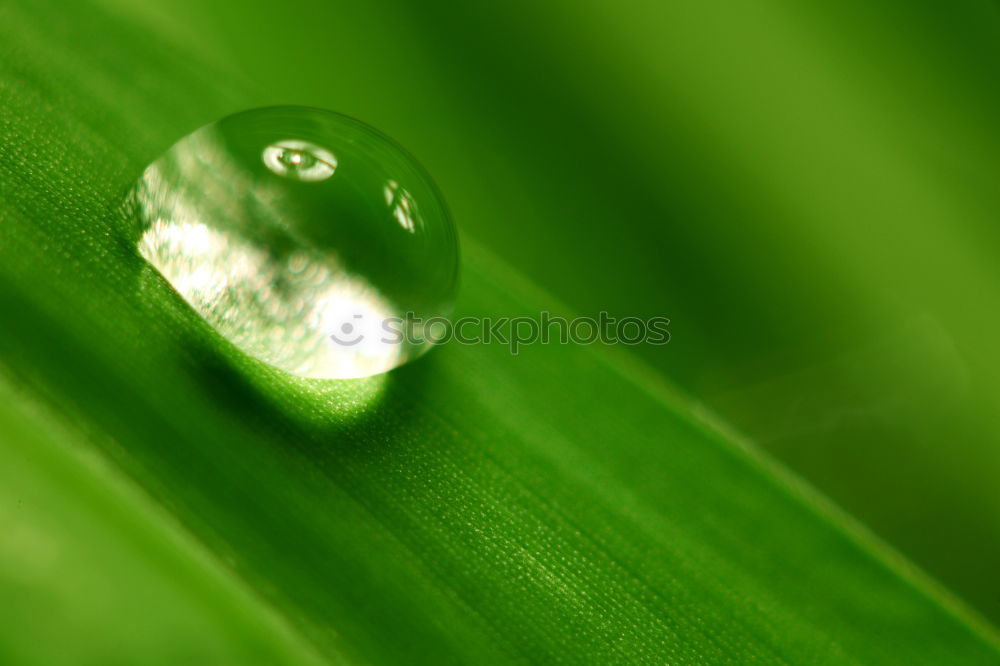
x: 309, y: 240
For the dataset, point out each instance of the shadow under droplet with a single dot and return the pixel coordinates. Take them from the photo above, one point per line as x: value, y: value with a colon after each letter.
x: 351, y: 416
x: 347, y: 415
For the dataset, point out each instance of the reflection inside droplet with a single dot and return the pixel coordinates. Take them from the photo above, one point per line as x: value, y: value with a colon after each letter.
x: 294, y: 249
x: 300, y: 160
x: 404, y: 208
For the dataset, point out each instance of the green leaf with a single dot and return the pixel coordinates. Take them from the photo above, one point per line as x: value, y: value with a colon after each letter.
x: 166, y: 500
x: 92, y: 572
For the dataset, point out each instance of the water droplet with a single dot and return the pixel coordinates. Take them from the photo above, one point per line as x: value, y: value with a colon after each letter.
x: 304, y: 237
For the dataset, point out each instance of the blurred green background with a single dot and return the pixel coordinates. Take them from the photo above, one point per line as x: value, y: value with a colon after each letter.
x: 808, y: 192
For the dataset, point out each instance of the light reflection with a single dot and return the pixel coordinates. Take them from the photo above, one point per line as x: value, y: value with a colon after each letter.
x: 282, y: 310
x: 299, y: 160
x: 404, y: 208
